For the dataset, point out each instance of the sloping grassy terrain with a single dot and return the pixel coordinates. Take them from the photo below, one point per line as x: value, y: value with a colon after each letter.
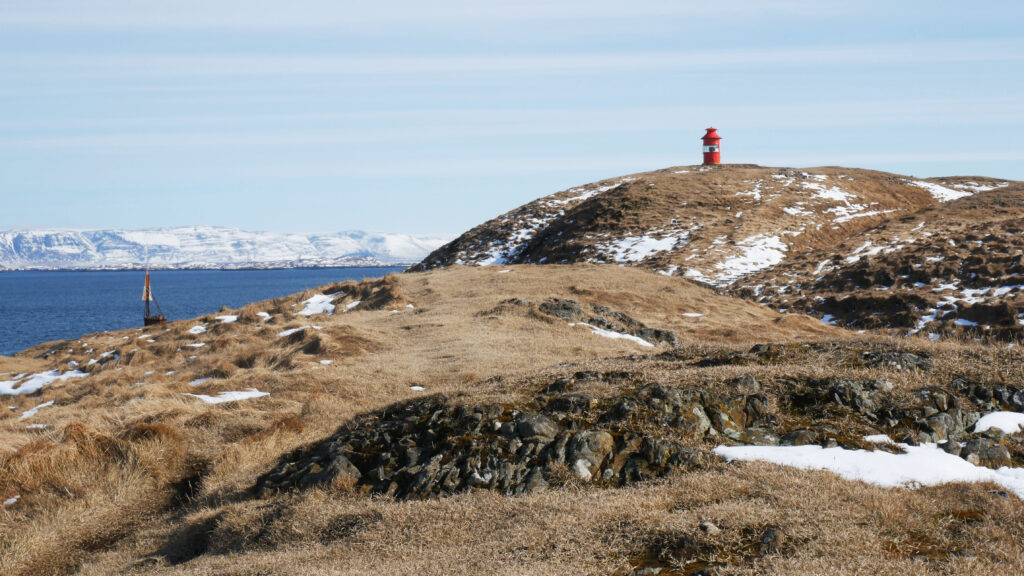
x: 131, y: 471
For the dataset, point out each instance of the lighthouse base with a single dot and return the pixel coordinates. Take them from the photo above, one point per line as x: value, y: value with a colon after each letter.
x: 151, y: 320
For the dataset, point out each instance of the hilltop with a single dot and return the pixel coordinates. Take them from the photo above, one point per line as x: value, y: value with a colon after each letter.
x: 826, y: 241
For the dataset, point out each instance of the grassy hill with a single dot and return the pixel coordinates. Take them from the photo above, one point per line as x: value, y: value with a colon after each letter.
x: 583, y: 418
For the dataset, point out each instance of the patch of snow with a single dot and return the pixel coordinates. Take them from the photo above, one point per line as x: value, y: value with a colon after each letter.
x: 681, y: 172
x: 797, y: 211
x: 865, y: 250
x: 697, y: 275
x: 692, y: 314
x: 12, y: 500
x: 975, y: 187
x: 35, y: 382
x: 229, y: 396
x: 227, y: 318
x: 833, y: 193
x: 199, y: 381
x: 37, y: 426
x: 503, y: 271
x: 318, y: 304
x: 636, y: 248
x: 264, y: 315
x: 847, y: 215
x: 1008, y: 422
x: 757, y: 253
x: 352, y: 305
x: 829, y: 319
x: 965, y: 322
x: 924, y: 465
x: 878, y: 439
x: 72, y: 364
x: 617, y: 335
x: 326, y: 362
x: 291, y: 331
x: 196, y: 345
x: 32, y: 412
x: 417, y: 388
x: 197, y: 330
x: 940, y: 193
x: 756, y: 192
x: 671, y: 270
x: 821, y: 267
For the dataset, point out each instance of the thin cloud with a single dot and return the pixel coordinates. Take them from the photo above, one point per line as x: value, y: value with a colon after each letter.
x: 300, y: 15
x: 276, y: 65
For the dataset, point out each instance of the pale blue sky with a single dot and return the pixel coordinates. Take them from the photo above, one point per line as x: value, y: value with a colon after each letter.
x: 318, y: 116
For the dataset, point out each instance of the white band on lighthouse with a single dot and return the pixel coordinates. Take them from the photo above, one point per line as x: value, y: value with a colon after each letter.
x: 711, y: 148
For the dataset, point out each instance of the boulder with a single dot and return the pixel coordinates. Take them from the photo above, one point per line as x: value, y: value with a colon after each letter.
x: 985, y: 452
x: 799, y: 437
x: 747, y: 384
x: 533, y: 426
x: 592, y: 448
x: 571, y: 403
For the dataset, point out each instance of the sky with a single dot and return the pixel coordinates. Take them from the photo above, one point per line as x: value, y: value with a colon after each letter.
x: 431, y: 117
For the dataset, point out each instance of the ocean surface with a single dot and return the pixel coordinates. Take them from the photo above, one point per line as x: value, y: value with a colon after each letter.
x: 39, y: 306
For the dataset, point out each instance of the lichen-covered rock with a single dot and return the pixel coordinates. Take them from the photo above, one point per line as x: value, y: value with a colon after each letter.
x: 533, y: 426
x: 590, y: 449
x: 731, y: 415
x: 985, y: 452
x: 562, y: 308
x: 430, y: 447
x: 799, y: 437
x: 897, y: 360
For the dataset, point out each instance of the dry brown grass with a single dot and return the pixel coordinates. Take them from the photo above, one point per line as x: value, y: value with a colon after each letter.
x: 720, y: 206
x: 132, y: 476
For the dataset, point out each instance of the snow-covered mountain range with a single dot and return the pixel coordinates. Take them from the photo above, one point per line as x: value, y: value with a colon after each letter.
x: 206, y: 247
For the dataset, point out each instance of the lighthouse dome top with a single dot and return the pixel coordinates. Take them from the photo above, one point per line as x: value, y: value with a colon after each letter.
x: 712, y: 133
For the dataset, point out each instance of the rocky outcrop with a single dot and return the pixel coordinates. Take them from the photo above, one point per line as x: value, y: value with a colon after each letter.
x: 594, y: 315
x: 435, y: 446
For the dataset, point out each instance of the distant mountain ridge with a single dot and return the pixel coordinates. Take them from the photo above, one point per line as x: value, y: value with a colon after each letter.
x: 206, y: 247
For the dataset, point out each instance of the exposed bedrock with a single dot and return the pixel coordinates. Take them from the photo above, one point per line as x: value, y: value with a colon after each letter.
x: 435, y: 446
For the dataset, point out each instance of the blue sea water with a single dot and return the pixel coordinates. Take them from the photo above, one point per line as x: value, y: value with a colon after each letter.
x: 39, y: 306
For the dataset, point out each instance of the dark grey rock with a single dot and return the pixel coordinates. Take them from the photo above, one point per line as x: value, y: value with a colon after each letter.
x: 562, y: 308
x: 571, y: 403
x: 799, y: 437
x: 532, y: 426
x: 758, y: 437
x: 747, y: 384
x: 592, y: 447
x: 558, y: 386
x: 985, y: 452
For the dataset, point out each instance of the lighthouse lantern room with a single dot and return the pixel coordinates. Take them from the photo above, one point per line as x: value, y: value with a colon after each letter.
x: 712, y: 147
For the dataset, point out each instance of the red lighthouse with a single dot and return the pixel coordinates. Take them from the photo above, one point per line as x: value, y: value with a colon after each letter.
x: 712, y: 148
